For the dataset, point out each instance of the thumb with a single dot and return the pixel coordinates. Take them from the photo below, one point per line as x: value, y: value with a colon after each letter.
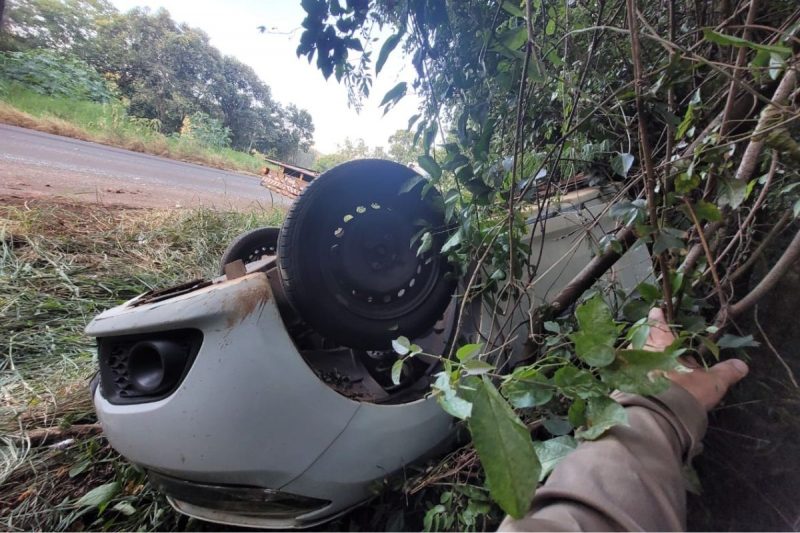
x: 730, y: 371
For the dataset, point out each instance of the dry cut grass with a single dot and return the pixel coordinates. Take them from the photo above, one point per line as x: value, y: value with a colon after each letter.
x: 60, y: 264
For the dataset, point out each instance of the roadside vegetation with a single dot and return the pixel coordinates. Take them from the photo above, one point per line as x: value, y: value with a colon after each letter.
x: 61, y: 264
x: 688, y: 110
x: 140, y: 81
x: 109, y: 123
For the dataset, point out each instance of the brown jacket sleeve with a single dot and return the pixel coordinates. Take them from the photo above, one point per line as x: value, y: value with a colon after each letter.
x: 630, y: 479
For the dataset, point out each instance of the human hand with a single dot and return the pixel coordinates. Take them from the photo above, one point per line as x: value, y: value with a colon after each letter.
x: 708, y: 386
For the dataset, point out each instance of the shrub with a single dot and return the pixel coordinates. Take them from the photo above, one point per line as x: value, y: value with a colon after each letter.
x: 52, y: 74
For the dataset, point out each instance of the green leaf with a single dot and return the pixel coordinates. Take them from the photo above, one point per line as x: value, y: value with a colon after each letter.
x: 513, y: 9
x: 99, y: 495
x: 732, y: 192
x: 686, y: 182
x: 776, y: 64
x: 125, y: 508
x: 427, y: 242
x: 649, y: 292
x: 634, y: 370
x: 602, y: 413
x: 683, y: 127
x: 505, y: 449
x: 730, y: 40
x: 397, y: 371
x: 468, y: 351
x: 621, y: 164
x: 577, y: 413
x: 666, y: 241
x: 430, y: 166
x: 387, y: 48
x: 552, y: 327
x: 477, y: 367
x: 452, y: 242
x: 594, y: 342
x: 401, y: 345
x: 79, y: 468
x: 394, y: 94
x: 734, y: 341
x: 527, y: 387
x: 575, y: 383
x: 514, y: 38
x: 707, y: 211
x: 551, y: 452
x: 449, y: 399
x: 550, y: 29
x: 796, y: 209
x: 557, y: 425
x: 638, y: 334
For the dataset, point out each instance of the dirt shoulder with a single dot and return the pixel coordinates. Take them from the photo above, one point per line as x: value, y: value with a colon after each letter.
x: 20, y: 182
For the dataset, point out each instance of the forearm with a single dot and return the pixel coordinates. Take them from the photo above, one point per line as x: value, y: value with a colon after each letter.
x: 630, y: 479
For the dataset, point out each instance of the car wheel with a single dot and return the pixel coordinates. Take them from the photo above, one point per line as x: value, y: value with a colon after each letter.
x: 347, y: 255
x: 250, y: 246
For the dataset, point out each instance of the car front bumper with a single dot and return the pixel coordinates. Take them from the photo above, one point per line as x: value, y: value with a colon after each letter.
x: 251, y: 413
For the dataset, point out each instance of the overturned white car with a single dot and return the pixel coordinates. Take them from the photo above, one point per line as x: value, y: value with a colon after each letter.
x: 263, y: 397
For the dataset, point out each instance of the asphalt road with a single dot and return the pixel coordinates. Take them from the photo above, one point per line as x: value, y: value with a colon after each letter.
x: 78, y: 167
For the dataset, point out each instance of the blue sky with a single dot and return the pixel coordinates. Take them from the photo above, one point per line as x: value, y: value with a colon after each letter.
x: 232, y: 27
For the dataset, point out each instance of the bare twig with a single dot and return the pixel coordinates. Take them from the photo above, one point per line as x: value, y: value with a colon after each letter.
x: 756, y: 206
x: 754, y: 147
x: 790, y: 256
x: 647, y: 154
x: 740, y: 59
x: 709, y: 257
x: 43, y: 436
x: 774, y: 351
x: 773, y: 232
x: 592, y: 272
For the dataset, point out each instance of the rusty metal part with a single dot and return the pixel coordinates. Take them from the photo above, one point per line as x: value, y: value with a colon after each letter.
x: 171, y: 292
x: 235, y: 269
x: 287, y: 180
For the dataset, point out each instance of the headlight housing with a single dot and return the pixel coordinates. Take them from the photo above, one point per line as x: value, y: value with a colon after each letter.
x: 146, y: 367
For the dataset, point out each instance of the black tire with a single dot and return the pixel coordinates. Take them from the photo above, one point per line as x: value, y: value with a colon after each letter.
x: 345, y: 257
x: 250, y: 246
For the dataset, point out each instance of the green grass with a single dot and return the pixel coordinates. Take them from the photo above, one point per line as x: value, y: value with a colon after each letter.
x: 110, y: 124
x: 60, y: 265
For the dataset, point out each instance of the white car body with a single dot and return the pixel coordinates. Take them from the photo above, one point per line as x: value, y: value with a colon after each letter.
x: 251, y: 435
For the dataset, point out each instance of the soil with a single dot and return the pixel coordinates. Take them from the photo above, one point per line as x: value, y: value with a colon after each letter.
x: 21, y: 182
x: 749, y: 469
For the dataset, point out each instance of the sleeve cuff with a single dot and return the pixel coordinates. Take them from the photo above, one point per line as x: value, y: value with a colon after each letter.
x: 683, y: 412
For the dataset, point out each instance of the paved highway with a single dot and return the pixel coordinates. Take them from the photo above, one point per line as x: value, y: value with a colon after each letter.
x: 42, y: 163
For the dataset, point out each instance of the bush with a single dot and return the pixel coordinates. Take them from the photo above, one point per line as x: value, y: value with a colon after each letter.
x: 49, y: 73
x: 205, y: 130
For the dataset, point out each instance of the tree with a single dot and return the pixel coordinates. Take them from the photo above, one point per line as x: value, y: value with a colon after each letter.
x: 163, y: 70
x: 689, y: 108
x: 56, y: 24
x: 402, y: 147
x: 348, y: 151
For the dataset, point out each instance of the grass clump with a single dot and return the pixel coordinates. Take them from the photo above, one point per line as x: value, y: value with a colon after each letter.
x: 108, y: 123
x: 61, y: 264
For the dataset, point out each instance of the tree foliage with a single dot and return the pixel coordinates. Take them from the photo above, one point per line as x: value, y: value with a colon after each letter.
x: 163, y: 70
x: 49, y: 73
x: 688, y: 110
